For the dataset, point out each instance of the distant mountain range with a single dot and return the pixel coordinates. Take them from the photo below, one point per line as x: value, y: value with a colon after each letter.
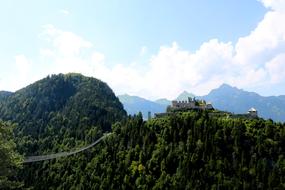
x: 226, y: 98
x: 163, y: 101
x: 184, y: 96
x: 135, y: 104
x: 236, y: 100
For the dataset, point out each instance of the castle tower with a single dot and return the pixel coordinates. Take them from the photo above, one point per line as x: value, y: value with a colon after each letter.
x: 189, y: 99
x: 252, y: 112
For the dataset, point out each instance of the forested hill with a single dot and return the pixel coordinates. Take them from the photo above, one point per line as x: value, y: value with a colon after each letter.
x: 4, y: 94
x: 185, y: 150
x: 59, y: 111
x: 180, y: 150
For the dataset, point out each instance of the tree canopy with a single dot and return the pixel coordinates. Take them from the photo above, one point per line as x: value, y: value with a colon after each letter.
x: 60, y: 109
x: 10, y: 160
x: 179, y: 150
x: 185, y: 150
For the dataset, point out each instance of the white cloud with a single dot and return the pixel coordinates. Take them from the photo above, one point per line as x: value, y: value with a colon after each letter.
x: 66, y: 43
x: 256, y: 60
x: 276, y: 68
x: 21, y: 69
x: 278, y: 5
x: 173, y: 70
x: 97, y: 57
x: 22, y: 64
x: 143, y: 51
x: 65, y: 52
x: 64, y: 12
x: 45, y: 52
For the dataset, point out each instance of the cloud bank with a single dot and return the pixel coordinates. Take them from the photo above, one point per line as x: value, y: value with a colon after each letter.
x: 255, y: 61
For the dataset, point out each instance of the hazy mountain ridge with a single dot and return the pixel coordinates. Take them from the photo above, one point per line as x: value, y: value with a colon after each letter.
x: 135, y: 104
x: 236, y: 100
x: 225, y: 98
x: 184, y: 96
x: 163, y: 101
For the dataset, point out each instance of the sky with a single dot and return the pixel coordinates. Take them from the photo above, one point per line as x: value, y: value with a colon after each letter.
x: 153, y: 49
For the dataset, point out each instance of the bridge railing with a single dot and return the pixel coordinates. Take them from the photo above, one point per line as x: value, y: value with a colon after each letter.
x: 30, y: 159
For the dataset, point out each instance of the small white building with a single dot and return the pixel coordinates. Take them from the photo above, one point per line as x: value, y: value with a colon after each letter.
x: 252, y: 112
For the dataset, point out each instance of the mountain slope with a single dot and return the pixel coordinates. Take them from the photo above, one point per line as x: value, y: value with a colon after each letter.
x: 61, y: 109
x: 135, y: 104
x: 9, y: 158
x: 225, y: 98
x: 182, y: 150
x: 185, y: 150
x: 184, y: 96
x: 4, y: 94
x: 235, y: 100
x: 163, y: 101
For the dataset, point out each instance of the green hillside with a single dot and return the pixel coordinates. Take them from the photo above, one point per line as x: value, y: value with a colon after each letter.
x: 10, y: 160
x: 180, y: 150
x: 191, y: 150
x: 60, y: 111
x: 185, y: 150
x: 4, y: 94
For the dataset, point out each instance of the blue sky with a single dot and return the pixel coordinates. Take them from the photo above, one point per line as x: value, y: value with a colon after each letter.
x: 120, y: 28
x: 142, y: 47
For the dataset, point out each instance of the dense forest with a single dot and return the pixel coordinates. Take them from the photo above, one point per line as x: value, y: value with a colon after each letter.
x: 187, y: 150
x: 60, y: 112
x: 10, y: 160
x: 182, y: 150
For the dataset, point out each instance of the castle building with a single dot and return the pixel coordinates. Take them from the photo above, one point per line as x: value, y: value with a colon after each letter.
x: 192, y: 103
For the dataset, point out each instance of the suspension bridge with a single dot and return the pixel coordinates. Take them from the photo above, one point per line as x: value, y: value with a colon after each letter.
x: 30, y: 159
